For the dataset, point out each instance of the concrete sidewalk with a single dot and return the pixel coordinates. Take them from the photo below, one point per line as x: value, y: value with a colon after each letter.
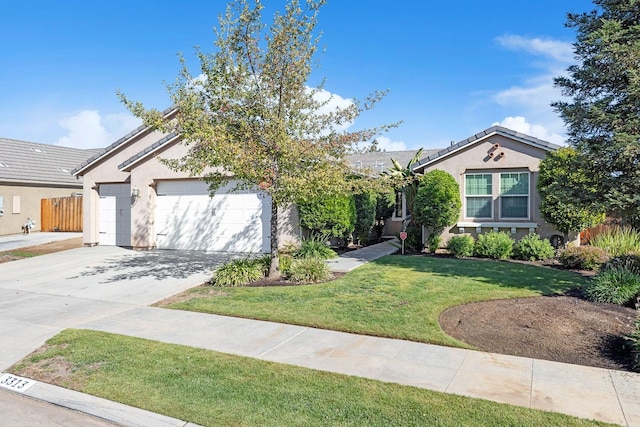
x: 17, y: 241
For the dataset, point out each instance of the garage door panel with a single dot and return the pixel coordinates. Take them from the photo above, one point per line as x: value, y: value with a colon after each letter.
x: 226, y: 222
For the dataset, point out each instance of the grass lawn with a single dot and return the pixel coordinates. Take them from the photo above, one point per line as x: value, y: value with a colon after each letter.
x: 214, y: 389
x: 395, y: 296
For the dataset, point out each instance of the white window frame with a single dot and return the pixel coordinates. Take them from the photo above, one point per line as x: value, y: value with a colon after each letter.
x: 491, y: 196
x: 516, y: 195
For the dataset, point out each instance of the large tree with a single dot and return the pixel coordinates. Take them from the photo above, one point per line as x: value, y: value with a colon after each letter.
x: 251, y: 114
x: 603, y: 117
x: 567, y: 192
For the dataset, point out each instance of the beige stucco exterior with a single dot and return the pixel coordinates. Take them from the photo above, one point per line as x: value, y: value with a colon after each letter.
x: 143, y: 176
x: 493, y: 154
x: 22, y: 201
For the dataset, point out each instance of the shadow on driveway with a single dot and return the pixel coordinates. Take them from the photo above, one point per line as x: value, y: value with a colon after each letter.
x: 159, y: 264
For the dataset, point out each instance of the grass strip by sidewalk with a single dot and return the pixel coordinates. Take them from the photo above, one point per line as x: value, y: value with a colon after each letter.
x: 215, y: 389
x: 395, y: 296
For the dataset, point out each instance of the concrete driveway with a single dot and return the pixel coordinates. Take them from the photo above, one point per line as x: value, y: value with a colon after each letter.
x: 16, y: 241
x: 43, y: 295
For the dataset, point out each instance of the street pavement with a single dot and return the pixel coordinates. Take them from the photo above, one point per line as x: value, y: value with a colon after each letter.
x: 110, y: 289
x: 17, y: 241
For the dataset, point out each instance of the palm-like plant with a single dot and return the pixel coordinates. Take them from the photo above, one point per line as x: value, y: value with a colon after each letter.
x: 405, y: 179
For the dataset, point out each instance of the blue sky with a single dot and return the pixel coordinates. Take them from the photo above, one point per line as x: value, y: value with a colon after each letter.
x: 452, y: 68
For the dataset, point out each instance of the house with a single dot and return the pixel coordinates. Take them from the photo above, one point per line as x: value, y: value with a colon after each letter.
x: 133, y: 199
x: 497, y: 170
x: 30, y: 172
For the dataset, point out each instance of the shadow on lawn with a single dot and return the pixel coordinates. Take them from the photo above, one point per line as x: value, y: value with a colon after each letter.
x: 545, y: 280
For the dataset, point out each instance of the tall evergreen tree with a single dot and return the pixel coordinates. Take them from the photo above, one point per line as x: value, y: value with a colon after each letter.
x: 603, y: 117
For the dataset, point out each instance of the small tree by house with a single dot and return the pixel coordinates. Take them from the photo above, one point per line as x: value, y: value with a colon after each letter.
x: 567, y: 193
x: 250, y: 114
x: 437, y: 203
x: 329, y: 216
x: 365, y: 204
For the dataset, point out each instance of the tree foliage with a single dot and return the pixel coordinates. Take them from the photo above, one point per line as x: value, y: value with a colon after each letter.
x: 437, y: 203
x: 329, y: 215
x: 250, y: 114
x: 365, y: 204
x: 564, y: 187
x: 603, y: 117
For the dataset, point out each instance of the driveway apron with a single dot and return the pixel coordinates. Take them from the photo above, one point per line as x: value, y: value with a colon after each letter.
x: 43, y: 295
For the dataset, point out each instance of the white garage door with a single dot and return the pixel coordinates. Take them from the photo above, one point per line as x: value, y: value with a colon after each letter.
x: 115, y: 214
x: 188, y: 218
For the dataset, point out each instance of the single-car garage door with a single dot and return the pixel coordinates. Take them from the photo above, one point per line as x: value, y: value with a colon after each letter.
x: 115, y: 214
x: 188, y: 218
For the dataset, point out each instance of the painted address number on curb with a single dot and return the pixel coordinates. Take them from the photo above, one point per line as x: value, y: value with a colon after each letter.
x: 15, y: 383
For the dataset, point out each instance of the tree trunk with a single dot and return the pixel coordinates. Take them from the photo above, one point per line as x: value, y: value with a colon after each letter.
x: 274, y: 271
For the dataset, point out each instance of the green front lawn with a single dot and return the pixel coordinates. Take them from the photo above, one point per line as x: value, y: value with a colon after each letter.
x: 395, y: 296
x: 214, y: 389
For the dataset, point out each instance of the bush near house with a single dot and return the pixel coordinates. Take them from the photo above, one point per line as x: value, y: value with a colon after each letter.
x: 331, y: 215
x: 309, y: 270
x: 365, y: 204
x: 583, y: 257
x: 495, y: 244
x: 533, y: 248
x: 461, y: 246
x: 615, y: 285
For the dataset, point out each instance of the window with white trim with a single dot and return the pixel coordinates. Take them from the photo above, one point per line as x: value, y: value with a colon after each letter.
x: 514, y: 195
x: 478, y: 190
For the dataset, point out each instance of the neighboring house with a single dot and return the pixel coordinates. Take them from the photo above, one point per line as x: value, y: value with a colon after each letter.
x: 497, y: 170
x: 132, y: 199
x: 30, y: 172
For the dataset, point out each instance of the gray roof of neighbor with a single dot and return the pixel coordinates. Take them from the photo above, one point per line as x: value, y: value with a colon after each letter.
x: 43, y: 164
x: 380, y: 161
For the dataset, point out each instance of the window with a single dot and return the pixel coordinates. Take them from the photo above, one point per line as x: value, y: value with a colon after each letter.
x: 514, y: 195
x: 478, y: 195
x: 398, y: 211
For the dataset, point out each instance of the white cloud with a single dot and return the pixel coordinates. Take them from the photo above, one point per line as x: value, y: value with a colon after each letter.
x: 533, y: 97
x: 387, y: 144
x: 520, y: 124
x: 89, y: 129
x: 554, y: 49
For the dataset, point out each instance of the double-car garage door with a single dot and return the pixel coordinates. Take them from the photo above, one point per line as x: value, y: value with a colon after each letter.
x: 187, y: 218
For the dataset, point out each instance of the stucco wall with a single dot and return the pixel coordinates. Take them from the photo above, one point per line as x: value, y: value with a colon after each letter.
x: 144, y: 177
x: 508, y: 156
x: 29, y: 200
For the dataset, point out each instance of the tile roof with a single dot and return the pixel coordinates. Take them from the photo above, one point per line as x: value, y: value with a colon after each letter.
x: 43, y: 164
x: 380, y: 161
x: 149, y: 150
x: 166, y: 113
x: 527, y: 139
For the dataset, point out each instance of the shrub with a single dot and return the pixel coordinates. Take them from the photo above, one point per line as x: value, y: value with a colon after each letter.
x: 309, y: 270
x: 461, y: 246
x: 284, y: 263
x: 315, y: 247
x: 333, y: 215
x: 617, y: 240
x: 629, y: 262
x: 241, y: 271
x: 414, y: 239
x: 437, y: 204
x: 495, y: 244
x: 365, y: 204
x: 533, y: 248
x: 433, y: 242
x: 615, y: 286
x: 583, y: 257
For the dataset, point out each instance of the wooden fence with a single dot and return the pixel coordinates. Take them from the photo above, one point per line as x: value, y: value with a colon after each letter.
x: 61, y: 214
